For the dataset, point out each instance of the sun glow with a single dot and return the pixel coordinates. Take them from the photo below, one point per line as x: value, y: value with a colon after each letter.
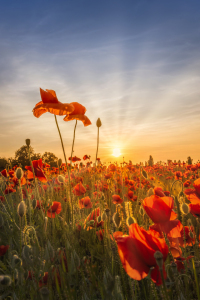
x: 116, y: 152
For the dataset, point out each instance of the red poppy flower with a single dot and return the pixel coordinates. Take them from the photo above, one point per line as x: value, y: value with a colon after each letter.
x: 51, y: 104
x: 193, y: 195
x: 37, y: 166
x: 74, y: 159
x: 159, y: 191
x: 195, y: 209
x: 4, y: 173
x: 137, y: 250
x: 116, y: 199
x: 54, y: 209
x: 86, y: 157
x: 3, y: 249
x: 2, y: 199
x: 78, y: 114
x: 108, y: 175
x: 85, y: 203
x: 9, y: 190
x: 112, y: 168
x: 79, y: 189
x: 159, y: 209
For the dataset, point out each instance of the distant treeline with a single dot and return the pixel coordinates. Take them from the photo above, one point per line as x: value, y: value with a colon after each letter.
x: 22, y: 159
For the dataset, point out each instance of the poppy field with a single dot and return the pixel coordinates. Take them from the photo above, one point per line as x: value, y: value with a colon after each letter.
x: 86, y: 230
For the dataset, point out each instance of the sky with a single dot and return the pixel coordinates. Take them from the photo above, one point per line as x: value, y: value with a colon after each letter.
x: 133, y: 64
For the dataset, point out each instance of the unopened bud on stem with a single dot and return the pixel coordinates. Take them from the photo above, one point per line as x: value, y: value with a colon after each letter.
x: 159, y: 259
x: 98, y: 123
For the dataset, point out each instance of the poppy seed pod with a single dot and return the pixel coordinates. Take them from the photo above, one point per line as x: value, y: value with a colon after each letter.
x: 150, y: 192
x: 61, y: 179
x: 98, y: 123
x: 19, y: 173
x: 98, y: 219
x: 44, y: 293
x: 28, y: 142
x: 116, y: 219
x: 104, y: 216
x: 159, y: 259
x: 185, y: 209
x: 21, y: 209
x: 130, y: 220
x: 16, y: 261
x: 59, y: 162
x: 5, y: 280
x: 141, y: 211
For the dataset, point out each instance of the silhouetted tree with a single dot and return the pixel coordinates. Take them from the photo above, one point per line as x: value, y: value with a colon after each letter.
x: 3, y: 163
x: 21, y: 156
x: 150, y: 161
x: 50, y: 158
x: 189, y: 160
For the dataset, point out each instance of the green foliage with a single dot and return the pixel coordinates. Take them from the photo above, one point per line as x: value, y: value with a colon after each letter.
x: 22, y: 158
x: 50, y: 158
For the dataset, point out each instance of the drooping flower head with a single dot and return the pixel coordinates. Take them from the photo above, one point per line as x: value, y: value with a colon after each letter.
x: 51, y: 104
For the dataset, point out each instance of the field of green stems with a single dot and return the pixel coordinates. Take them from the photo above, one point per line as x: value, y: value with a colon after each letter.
x: 97, y: 231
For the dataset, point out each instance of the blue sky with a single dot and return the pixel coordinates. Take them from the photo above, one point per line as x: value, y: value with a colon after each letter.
x: 134, y: 64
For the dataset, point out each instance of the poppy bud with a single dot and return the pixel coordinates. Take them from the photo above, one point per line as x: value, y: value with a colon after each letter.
x: 174, y: 267
x: 150, y: 192
x: 159, y: 259
x: 98, y: 123
x: 16, y: 261
x: 185, y: 209
x: 59, y: 162
x: 130, y: 220
x: 28, y: 142
x: 5, y: 280
x: 191, y: 234
x: 21, y: 209
x: 141, y: 211
x: 45, y: 223
x: 98, y: 219
x: 34, y: 203
x: 91, y: 223
x: 61, y: 179
x: 116, y: 219
x: 144, y: 174
x: 27, y: 251
x: 104, y: 216
x: 44, y: 293
x: 19, y: 173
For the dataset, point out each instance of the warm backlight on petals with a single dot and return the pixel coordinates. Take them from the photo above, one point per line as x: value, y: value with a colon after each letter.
x: 116, y: 152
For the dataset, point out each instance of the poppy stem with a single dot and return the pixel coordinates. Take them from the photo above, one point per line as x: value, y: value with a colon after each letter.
x: 73, y: 141
x: 66, y: 165
x: 97, y: 144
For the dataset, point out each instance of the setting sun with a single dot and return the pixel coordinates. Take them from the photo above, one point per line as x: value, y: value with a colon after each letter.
x: 116, y: 152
